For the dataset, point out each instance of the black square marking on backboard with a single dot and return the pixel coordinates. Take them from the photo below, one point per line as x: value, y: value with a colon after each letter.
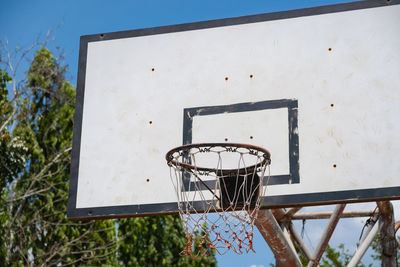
x: 293, y: 136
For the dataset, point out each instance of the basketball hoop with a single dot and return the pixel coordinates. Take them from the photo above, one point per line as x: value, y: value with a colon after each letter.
x: 225, y: 178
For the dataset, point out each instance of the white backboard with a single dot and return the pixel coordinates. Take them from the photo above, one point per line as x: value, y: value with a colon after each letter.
x: 319, y: 88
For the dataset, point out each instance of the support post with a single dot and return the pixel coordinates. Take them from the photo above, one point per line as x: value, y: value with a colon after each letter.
x: 323, y: 242
x: 387, y: 234
x: 286, y: 233
x: 300, y: 241
x: 364, y: 245
x: 273, y: 235
x: 279, y: 214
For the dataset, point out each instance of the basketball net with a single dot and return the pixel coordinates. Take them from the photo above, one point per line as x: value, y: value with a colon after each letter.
x: 219, y: 204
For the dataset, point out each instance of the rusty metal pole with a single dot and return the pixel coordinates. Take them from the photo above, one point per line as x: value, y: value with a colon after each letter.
x: 286, y: 233
x: 323, y: 242
x: 274, y: 236
x: 300, y: 241
x: 291, y: 212
x: 387, y: 234
x: 327, y: 215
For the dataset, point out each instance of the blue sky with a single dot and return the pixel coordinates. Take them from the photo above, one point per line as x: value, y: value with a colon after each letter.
x: 21, y: 22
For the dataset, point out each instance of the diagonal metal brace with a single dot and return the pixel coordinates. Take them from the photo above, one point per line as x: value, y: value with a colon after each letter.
x: 300, y: 241
x: 365, y: 243
x: 274, y: 236
x: 323, y: 242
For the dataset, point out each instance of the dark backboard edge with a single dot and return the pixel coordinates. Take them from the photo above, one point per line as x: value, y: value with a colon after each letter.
x: 76, y: 139
x: 312, y: 199
x: 171, y: 208
x: 295, y: 13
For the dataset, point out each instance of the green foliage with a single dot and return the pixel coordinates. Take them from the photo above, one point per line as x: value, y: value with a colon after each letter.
x: 11, y: 161
x: 4, y: 79
x: 4, y: 220
x: 339, y: 257
x: 156, y: 241
x: 39, y: 232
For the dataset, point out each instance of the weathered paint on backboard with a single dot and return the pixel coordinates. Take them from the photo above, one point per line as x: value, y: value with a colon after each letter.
x: 319, y: 88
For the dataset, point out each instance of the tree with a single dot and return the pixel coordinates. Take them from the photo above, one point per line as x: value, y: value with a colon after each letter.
x: 8, y: 162
x: 156, y: 241
x: 11, y: 161
x: 39, y: 124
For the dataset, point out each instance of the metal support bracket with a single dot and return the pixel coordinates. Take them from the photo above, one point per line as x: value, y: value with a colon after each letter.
x: 366, y: 241
x: 274, y: 236
x: 323, y: 242
x: 282, y: 245
x: 388, y: 235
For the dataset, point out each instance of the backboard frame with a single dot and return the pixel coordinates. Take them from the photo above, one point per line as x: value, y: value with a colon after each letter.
x: 347, y: 196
